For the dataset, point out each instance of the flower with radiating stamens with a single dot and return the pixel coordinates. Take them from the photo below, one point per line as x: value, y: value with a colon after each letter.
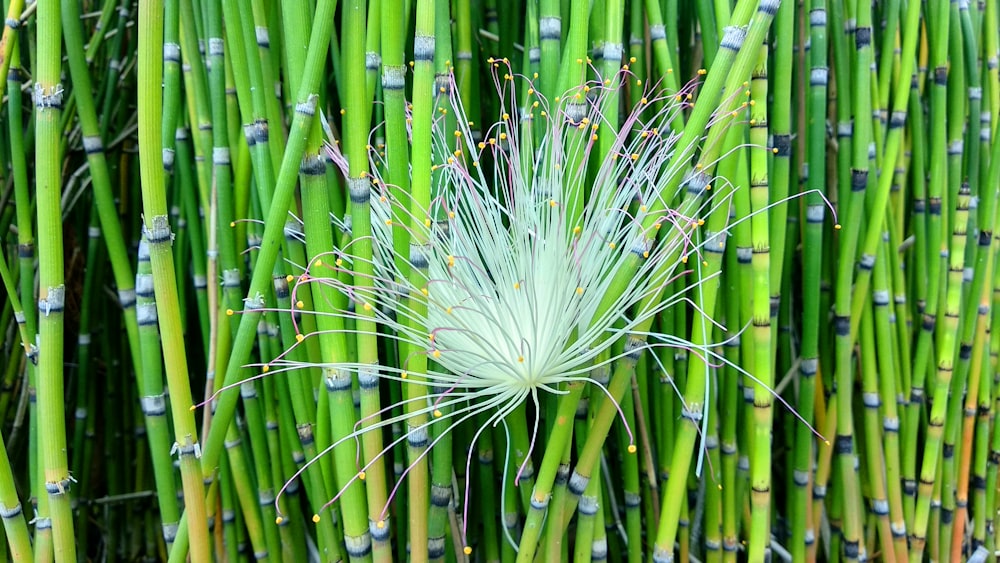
x: 540, y: 259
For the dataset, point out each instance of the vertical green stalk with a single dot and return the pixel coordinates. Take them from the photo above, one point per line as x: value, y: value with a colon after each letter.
x: 48, y: 94
x: 159, y: 236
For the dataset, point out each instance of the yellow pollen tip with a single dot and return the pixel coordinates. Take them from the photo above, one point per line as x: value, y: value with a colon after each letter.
x: 318, y: 263
x: 427, y: 222
x: 635, y: 156
x: 579, y: 291
x: 552, y: 203
x: 458, y: 133
x: 506, y: 116
x: 380, y: 524
x: 467, y: 550
x: 368, y: 307
x: 316, y: 518
x: 579, y: 61
x: 624, y: 67
x: 645, y: 254
x: 299, y: 337
x: 607, y: 82
x: 192, y: 408
x: 482, y: 145
x: 229, y: 312
x: 704, y: 262
x: 531, y: 91
x: 543, y: 113
x: 774, y: 150
x: 520, y: 359
x: 388, y: 222
x: 448, y: 310
x: 684, y: 259
x: 279, y: 520
x: 339, y: 262
x: 437, y: 413
x: 343, y: 111
x: 266, y: 368
x: 586, y: 88
x: 701, y: 222
x: 702, y: 72
x: 424, y: 291
x: 299, y: 305
x: 503, y: 136
x: 437, y: 353
x: 232, y: 223
x: 611, y: 245
x: 827, y: 442
x: 644, y: 101
x: 837, y: 226
x: 517, y: 285
x: 631, y: 448
x: 631, y: 60
x: 593, y: 137
x: 289, y: 278
x: 361, y: 475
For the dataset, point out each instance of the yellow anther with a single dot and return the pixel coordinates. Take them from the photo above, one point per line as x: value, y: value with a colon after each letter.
x: 424, y: 291
x: 577, y: 96
x: 490, y: 60
x: 644, y: 134
x: 702, y: 72
x: 493, y: 141
x: 232, y: 223
x: 367, y: 306
x: 266, y: 368
x: 543, y: 112
x: 635, y: 156
x: 753, y: 122
x: 581, y: 126
x: 380, y: 524
x: 316, y: 518
x: 279, y: 520
x: 458, y: 152
x: 531, y: 91
x: 631, y: 448
x: 402, y: 375
x: 299, y: 337
x: 437, y: 413
x: 644, y: 100
x: 557, y: 99
x: 451, y: 160
x: 684, y: 259
x: 607, y: 81
x: 552, y: 203
x: 594, y: 127
x: 624, y: 67
x: 517, y: 285
x: 451, y: 261
x: 701, y: 222
x: 361, y: 475
x: 645, y: 254
x: 638, y: 82
x: 481, y: 145
x: 475, y: 164
x: 774, y: 150
x: 589, y: 60
x: 458, y: 133
x: 506, y: 116
x: 388, y: 222
x: 467, y: 550
x: 318, y: 263
x: 520, y: 359
x: 289, y: 278
x: 503, y: 136
x: 343, y: 111
x: 837, y: 226
x: 448, y: 310
x: 579, y: 291
x: 299, y: 305
x: 427, y: 222
x: 506, y: 77
x: 586, y: 88
x: 678, y: 97
x: 534, y: 104
x: 229, y: 312
x: 339, y: 262
x: 631, y: 60
x: 441, y: 89
x: 576, y: 230
x: 611, y: 245
x: 535, y: 76
x: 436, y: 354
x: 593, y: 137
x: 579, y: 61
